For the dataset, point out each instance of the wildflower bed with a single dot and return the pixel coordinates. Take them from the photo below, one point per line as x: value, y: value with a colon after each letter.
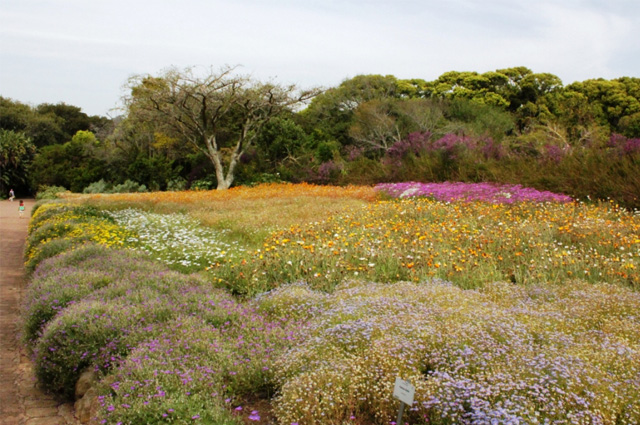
x: 333, y: 310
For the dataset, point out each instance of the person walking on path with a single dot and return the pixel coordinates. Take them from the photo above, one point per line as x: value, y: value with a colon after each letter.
x: 21, y: 209
x: 12, y: 195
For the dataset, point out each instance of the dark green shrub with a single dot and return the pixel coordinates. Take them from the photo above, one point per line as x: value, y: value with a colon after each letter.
x: 50, y: 192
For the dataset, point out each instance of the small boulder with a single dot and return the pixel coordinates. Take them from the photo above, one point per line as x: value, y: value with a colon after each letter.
x: 85, y: 382
x: 85, y: 407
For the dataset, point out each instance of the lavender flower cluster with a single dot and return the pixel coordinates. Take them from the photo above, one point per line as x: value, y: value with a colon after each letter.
x: 69, y: 277
x: 500, y: 355
x: 458, y: 191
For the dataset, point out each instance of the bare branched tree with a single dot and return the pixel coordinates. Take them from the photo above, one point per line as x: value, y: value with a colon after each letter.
x: 220, y: 114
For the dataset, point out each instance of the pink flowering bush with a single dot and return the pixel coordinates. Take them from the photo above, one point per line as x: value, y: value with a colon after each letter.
x: 484, y: 192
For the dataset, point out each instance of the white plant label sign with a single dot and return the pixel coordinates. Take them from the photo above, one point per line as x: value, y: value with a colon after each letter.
x: 404, y: 391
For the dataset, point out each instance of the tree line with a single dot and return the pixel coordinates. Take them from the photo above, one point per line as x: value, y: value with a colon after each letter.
x: 203, y: 129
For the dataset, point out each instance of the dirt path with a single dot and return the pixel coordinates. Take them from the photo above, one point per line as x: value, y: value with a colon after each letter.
x: 21, y: 401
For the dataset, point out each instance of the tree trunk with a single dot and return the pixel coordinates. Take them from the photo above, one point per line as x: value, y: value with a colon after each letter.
x: 222, y: 185
x: 214, y: 156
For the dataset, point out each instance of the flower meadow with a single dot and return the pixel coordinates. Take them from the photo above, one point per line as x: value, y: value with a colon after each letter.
x: 467, y: 243
x: 523, y: 311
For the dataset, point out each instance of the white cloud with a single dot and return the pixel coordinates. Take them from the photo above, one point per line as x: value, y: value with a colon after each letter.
x: 81, y: 52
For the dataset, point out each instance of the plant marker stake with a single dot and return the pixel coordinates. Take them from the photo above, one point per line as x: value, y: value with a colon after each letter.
x: 404, y: 392
x: 400, y: 412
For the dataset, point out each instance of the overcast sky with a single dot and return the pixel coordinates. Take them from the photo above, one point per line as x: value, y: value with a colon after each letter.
x: 82, y: 52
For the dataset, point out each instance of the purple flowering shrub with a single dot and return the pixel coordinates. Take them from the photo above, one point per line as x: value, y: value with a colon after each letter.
x: 452, y: 145
x: 92, y: 256
x: 72, y: 276
x: 328, y: 171
x: 48, y: 296
x: 592, y: 169
x: 485, y: 192
x: 497, y: 355
x: 414, y: 143
x: 196, y: 369
x: 102, y: 328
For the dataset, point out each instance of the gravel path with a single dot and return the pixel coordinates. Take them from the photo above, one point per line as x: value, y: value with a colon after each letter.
x: 21, y: 401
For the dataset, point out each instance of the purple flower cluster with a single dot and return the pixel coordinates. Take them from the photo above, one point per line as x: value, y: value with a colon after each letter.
x: 624, y: 145
x: 484, y: 192
x: 194, y: 367
x: 170, y: 345
x: 452, y: 144
x: 74, y: 275
x: 414, y: 143
x: 328, y: 169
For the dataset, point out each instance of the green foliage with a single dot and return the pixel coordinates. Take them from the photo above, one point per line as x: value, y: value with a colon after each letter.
x: 613, y: 99
x: 280, y: 139
x: 49, y: 192
x: 365, y: 171
x: 207, y: 183
x: 177, y: 184
x: 75, y: 164
x: 71, y: 119
x: 100, y: 186
x: 16, y: 152
x: 128, y: 187
x: 46, y: 124
x: 103, y: 187
x: 154, y: 172
x: 479, y: 119
x: 629, y: 125
x: 327, y: 151
x: 219, y: 114
x: 43, y: 130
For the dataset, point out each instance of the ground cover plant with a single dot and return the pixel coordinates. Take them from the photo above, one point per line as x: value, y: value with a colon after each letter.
x: 73, y: 275
x: 498, y: 312
x: 177, y: 240
x: 501, y: 354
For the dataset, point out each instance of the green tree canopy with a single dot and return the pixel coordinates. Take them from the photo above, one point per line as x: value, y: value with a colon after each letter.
x: 73, y: 165
x: 16, y: 152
